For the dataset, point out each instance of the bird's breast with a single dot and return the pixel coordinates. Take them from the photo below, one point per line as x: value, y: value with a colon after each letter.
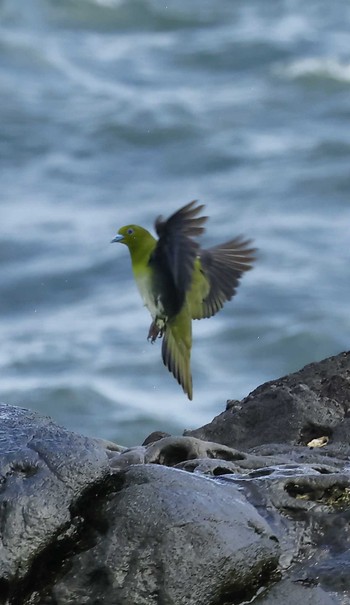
x: 150, y: 296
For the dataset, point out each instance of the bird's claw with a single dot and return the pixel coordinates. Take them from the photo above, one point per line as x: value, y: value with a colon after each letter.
x: 154, y: 332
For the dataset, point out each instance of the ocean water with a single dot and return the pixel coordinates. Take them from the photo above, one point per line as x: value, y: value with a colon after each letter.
x: 113, y: 112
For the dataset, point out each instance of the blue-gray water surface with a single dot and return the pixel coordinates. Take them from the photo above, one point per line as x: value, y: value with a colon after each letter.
x: 116, y: 111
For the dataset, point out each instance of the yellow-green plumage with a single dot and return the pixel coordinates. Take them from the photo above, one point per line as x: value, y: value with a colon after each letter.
x: 179, y: 282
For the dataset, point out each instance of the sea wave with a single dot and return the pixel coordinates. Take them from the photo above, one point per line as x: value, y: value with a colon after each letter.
x: 114, y: 112
x: 317, y: 69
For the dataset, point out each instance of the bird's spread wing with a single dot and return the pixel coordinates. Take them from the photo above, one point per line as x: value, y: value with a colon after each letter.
x: 217, y: 275
x: 175, y: 252
x: 176, y: 349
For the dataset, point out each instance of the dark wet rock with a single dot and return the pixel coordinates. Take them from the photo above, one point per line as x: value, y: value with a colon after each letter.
x: 171, y: 537
x: 135, y: 455
x: 172, y: 450
x: 43, y: 470
x: 240, y: 509
x: 76, y: 530
x: 290, y: 592
x: 155, y: 436
x: 295, y: 409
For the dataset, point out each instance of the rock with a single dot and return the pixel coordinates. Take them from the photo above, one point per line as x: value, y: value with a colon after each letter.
x: 292, y: 593
x: 43, y: 470
x: 240, y: 509
x: 155, y: 436
x: 170, y: 537
x: 172, y: 450
x: 76, y: 530
x: 308, y: 404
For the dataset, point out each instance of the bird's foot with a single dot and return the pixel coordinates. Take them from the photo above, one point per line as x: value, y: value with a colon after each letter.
x: 154, y: 332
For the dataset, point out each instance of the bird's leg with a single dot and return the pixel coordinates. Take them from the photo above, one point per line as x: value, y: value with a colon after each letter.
x: 155, y: 331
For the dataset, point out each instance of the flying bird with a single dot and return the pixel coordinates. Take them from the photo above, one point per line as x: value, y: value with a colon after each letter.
x: 178, y: 281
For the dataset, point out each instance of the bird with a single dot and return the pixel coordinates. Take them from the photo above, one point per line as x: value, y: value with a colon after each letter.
x: 179, y: 281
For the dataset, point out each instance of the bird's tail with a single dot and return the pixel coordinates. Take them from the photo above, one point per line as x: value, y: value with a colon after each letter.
x: 176, y: 349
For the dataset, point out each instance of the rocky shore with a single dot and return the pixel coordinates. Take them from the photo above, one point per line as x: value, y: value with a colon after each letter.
x: 253, y: 507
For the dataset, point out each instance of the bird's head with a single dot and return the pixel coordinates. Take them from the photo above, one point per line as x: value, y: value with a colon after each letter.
x: 127, y: 235
x: 133, y: 236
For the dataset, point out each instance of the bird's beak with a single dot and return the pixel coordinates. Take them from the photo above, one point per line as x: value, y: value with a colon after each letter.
x: 117, y: 238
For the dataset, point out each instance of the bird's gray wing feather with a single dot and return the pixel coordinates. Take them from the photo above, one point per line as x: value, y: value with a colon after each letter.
x: 223, y: 266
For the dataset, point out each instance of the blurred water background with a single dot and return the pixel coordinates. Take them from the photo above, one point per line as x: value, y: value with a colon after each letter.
x: 116, y: 111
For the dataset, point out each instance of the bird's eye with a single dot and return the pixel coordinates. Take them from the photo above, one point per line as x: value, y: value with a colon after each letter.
x: 130, y: 231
